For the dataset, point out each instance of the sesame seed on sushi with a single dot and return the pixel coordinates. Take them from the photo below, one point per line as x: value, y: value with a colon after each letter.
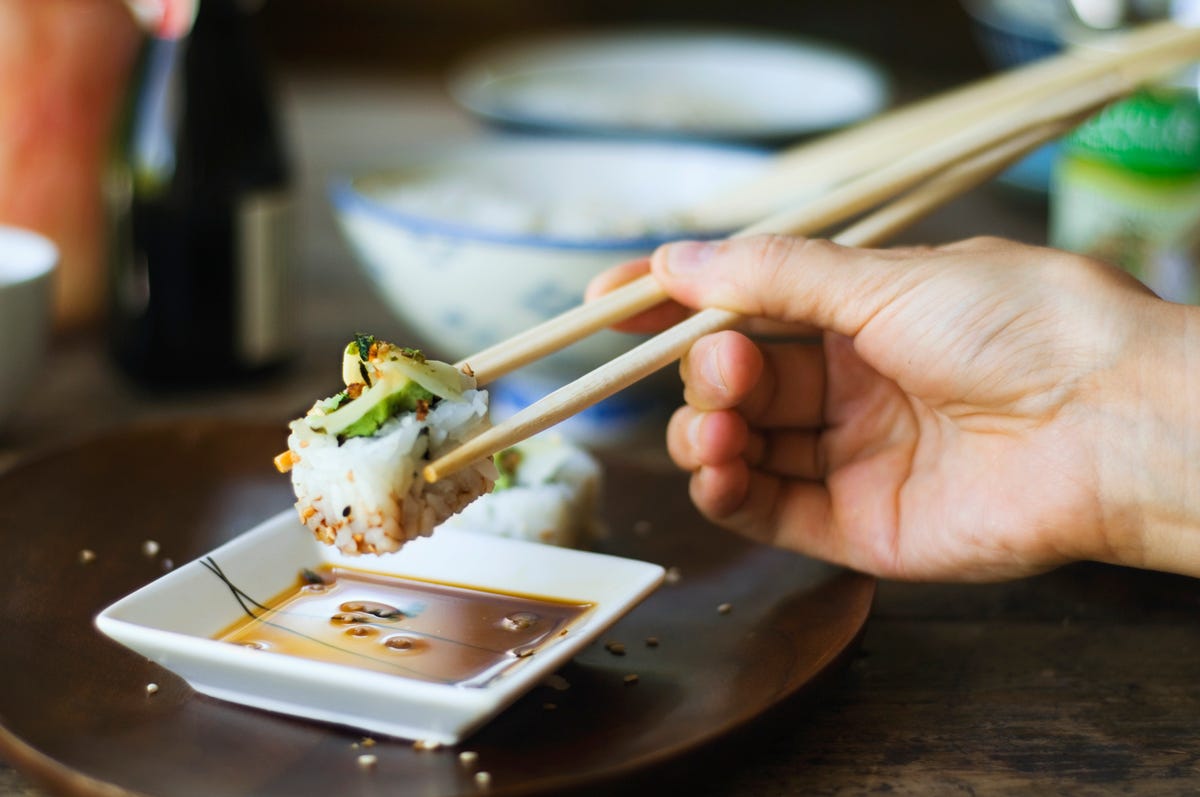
x: 356, y: 457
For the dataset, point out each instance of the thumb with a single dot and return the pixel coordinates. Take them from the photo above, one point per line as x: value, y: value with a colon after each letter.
x: 791, y: 279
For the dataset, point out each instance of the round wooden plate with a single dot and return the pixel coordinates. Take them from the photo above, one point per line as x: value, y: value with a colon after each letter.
x: 75, y: 714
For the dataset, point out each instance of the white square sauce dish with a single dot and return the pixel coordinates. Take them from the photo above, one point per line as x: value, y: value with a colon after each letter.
x: 427, y: 643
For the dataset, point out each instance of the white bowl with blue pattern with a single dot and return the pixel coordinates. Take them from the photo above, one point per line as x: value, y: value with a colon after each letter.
x: 472, y: 242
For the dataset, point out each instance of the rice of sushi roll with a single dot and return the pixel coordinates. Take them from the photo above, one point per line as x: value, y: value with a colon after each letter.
x: 356, y: 457
x: 548, y: 491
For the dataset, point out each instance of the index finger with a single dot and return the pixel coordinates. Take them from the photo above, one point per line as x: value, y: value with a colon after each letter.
x: 671, y: 312
x: 650, y: 321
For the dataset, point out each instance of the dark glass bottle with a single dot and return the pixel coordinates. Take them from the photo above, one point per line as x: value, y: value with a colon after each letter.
x: 200, y: 203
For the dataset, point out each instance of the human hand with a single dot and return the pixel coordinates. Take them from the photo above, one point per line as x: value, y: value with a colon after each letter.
x: 978, y: 411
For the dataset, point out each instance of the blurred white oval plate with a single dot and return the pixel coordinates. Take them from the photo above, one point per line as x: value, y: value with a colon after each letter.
x: 728, y: 86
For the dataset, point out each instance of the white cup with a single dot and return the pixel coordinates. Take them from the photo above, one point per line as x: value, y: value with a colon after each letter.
x: 27, y: 261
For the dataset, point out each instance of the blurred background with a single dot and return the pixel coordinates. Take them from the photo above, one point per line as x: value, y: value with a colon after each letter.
x: 362, y: 81
x: 400, y: 37
x: 230, y: 201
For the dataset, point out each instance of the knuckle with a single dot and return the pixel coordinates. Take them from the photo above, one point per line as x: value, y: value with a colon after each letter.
x: 777, y: 259
x: 976, y: 243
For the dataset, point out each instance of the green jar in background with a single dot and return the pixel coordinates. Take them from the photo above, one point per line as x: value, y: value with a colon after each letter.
x: 1127, y: 190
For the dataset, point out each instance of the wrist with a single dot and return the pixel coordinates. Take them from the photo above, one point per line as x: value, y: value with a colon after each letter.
x: 1149, y: 446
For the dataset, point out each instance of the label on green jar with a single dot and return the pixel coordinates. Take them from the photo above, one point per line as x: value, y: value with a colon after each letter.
x: 1127, y: 190
x: 1147, y: 224
x: 1156, y: 131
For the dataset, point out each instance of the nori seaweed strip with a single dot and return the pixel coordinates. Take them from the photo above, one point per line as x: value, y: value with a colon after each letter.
x: 363, y: 341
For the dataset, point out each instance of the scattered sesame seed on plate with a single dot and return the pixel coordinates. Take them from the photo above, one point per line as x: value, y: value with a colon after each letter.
x: 549, y: 706
x: 725, y: 608
x: 632, y: 678
x: 557, y: 683
x: 426, y: 744
x: 651, y: 641
x: 642, y: 527
x: 150, y: 548
x: 468, y: 758
x: 151, y: 688
x: 367, y: 741
x: 615, y: 648
x: 367, y: 761
x: 673, y: 575
x: 483, y: 779
x: 168, y: 564
x: 87, y: 555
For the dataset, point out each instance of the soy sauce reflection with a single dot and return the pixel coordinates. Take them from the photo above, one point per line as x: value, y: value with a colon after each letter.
x: 432, y: 632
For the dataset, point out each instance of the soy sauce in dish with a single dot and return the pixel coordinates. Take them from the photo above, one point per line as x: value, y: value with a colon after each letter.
x: 416, y: 629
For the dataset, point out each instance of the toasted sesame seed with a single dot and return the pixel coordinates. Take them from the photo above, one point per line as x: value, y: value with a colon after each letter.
x: 673, y: 575
x: 631, y: 678
x: 150, y: 548
x: 168, y: 564
x: 87, y: 555
x: 615, y: 648
x: 557, y: 683
x: 483, y: 779
x: 368, y: 741
x: 725, y: 608
x: 468, y: 758
x: 151, y: 688
x: 367, y: 761
x: 651, y: 641
x: 426, y: 745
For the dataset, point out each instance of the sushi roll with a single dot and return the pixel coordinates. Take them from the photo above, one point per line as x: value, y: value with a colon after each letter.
x: 356, y: 457
x: 547, y: 491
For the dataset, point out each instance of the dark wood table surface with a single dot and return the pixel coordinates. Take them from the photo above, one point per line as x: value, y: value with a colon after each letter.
x: 1085, y: 680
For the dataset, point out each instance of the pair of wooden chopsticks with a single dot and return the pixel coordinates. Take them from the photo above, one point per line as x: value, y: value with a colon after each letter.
x: 806, y: 170
x: 1003, y: 119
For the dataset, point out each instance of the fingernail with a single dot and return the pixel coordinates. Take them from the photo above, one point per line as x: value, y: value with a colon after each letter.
x: 710, y: 367
x: 693, y: 431
x: 688, y: 256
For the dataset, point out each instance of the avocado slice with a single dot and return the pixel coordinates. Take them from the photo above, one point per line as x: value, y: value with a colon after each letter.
x: 404, y: 400
x: 383, y: 380
x: 363, y: 416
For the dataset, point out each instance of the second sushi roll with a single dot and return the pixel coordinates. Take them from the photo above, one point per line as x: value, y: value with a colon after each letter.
x: 548, y: 491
